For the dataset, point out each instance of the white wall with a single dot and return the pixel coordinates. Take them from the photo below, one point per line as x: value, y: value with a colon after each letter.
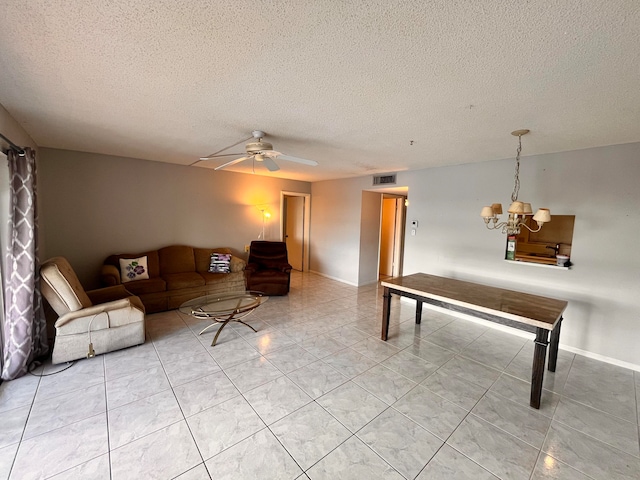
x: 336, y: 216
x: 370, y: 237
x: 96, y: 205
x: 599, y: 186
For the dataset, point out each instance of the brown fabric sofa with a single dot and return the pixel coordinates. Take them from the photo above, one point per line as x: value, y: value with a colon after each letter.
x: 177, y: 273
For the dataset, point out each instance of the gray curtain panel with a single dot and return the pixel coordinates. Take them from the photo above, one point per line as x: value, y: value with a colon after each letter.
x: 25, y: 329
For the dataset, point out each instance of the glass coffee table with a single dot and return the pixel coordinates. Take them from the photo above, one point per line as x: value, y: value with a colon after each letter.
x: 223, y: 309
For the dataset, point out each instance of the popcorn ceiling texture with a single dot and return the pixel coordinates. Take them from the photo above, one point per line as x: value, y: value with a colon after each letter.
x: 348, y: 84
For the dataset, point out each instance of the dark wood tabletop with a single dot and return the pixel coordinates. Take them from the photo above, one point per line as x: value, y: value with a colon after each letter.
x: 534, y: 310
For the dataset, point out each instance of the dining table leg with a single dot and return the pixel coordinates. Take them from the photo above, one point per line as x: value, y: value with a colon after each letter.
x: 386, y: 312
x: 537, y: 369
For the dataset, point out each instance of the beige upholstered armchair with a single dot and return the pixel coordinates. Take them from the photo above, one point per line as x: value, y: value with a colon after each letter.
x: 93, y: 322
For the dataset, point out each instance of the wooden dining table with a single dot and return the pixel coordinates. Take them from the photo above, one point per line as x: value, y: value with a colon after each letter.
x: 532, y: 313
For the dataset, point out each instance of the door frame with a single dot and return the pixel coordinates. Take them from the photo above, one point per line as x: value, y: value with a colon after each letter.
x: 306, y: 220
x: 398, y: 232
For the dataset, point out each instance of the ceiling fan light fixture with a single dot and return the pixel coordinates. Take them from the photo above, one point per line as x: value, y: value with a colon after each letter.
x: 257, y: 150
x: 258, y: 147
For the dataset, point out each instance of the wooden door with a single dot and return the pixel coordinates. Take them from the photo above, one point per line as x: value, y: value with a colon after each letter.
x: 387, y: 236
x: 294, y: 231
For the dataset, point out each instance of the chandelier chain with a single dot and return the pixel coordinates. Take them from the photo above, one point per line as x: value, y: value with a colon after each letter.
x: 516, y: 184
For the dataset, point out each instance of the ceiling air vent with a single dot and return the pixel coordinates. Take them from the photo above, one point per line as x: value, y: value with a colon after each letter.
x: 387, y: 179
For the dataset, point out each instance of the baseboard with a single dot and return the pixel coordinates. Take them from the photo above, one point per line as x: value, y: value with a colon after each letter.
x: 602, y: 358
x: 335, y: 278
x: 531, y: 336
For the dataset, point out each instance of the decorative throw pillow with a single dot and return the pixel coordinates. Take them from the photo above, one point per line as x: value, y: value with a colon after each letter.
x: 220, y: 263
x: 133, y: 269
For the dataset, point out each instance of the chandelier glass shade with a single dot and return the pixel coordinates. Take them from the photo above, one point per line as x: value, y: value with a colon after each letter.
x: 518, y: 211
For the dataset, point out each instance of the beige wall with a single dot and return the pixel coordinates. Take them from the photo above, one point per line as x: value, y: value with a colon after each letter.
x: 96, y: 205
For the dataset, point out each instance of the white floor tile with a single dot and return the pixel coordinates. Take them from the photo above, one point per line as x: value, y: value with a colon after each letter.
x: 258, y: 456
x: 61, y: 449
x: 309, y: 434
x: 176, y: 407
x: 165, y: 453
x: 224, y: 425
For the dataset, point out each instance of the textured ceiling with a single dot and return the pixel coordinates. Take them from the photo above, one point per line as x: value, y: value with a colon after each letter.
x: 361, y: 87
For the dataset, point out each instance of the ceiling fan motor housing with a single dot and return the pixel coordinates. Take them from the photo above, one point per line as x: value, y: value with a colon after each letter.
x: 257, y: 147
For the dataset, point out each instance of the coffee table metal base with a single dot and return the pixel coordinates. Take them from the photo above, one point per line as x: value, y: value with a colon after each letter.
x: 223, y: 323
x: 223, y: 309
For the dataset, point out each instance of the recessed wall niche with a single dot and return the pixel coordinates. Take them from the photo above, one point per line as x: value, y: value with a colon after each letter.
x: 554, y: 238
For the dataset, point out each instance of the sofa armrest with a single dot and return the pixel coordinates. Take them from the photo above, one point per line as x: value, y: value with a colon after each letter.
x: 109, y: 276
x: 86, y: 315
x: 286, y: 268
x: 251, y: 267
x: 237, y: 264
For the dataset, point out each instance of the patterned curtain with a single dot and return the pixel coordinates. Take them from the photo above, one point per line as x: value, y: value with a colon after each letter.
x: 25, y: 329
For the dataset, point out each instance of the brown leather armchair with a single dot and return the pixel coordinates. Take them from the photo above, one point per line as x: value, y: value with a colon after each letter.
x: 268, y: 268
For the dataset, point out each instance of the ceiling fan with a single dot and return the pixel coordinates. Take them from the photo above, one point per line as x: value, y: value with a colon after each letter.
x: 258, y: 151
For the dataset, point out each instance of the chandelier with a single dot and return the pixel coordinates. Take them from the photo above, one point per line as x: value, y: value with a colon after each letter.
x: 518, y: 211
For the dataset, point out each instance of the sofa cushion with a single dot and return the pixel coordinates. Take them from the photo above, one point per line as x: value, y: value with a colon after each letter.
x: 153, y: 262
x: 176, y: 281
x: 268, y: 276
x: 218, y: 278
x: 176, y: 259
x: 132, y: 269
x: 151, y: 285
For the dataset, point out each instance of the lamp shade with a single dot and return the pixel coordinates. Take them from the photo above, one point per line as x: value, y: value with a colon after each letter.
x: 487, y: 212
x: 517, y: 208
x: 527, y: 209
x: 543, y: 215
x: 497, y: 208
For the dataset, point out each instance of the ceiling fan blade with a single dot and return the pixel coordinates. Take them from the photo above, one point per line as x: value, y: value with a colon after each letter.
x: 213, y: 155
x: 232, y: 162
x: 304, y: 161
x: 270, y: 164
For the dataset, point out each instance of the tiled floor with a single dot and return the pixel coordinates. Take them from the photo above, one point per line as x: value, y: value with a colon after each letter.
x: 315, y: 394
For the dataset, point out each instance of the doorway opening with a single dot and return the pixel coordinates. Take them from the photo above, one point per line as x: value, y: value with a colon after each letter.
x: 392, y: 229
x: 295, y: 209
